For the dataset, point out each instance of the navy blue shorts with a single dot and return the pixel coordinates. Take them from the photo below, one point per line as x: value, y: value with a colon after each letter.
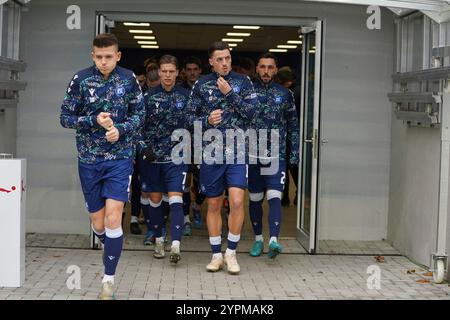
x: 258, y: 182
x: 215, y: 178
x: 162, y: 177
x: 105, y: 180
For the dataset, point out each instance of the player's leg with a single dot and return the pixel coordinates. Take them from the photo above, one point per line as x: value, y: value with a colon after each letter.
x: 212, y: 185
x: 146, y: 170
x: 275, y: 184
x: 116, y: 190
x: 187, y: 228
x: 157, y: 220
x: 175, y: 177
x: 256, y: 196
x: 236, y: 179
x: 135, y: 200
x: 199, y: 197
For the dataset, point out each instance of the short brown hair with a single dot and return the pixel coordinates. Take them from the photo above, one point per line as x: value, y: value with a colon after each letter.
x: 168, y: 59
x: 219, y: 45
x: 104, y: 40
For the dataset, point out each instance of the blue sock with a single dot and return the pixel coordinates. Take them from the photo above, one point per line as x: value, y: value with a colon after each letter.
x: 186, y: 203
x: 165, y: 210
x: 216, y: 244
x: 145, y: 205
x: 256, y: 214
x: 113, y: 249
x: 177, y: 217
x: 233, y: 240
x: 156, y: 218
x: 274, y: 216
x: 100, y: 236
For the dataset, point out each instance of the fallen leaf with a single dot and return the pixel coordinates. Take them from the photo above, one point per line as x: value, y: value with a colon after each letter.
x: 428, y: 274
x: 423, y: 281
x: 379, y: 259
x: 411, y: 271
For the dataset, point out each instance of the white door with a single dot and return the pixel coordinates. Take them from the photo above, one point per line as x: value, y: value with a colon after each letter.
x: 309, y: 135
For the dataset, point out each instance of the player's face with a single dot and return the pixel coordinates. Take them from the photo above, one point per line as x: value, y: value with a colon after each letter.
x: 106, y: 58
x: 168, y: 74
x: 266, y: 69
x: 192, y: 72
x: 221, y: 61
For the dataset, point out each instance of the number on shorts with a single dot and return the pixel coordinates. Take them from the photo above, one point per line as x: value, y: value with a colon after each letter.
x: 184, y: 179
x: 283, y: 177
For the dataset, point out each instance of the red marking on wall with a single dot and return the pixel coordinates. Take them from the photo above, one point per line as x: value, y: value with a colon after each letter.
x: 8, y: 191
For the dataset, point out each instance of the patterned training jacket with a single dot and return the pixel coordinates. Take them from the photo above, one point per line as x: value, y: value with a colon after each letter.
x: 165, y: 112
x: 87, y: 95
x: 277, y: 111
x: 239, y: 106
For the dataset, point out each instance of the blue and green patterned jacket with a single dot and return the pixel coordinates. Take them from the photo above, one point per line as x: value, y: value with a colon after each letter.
x: 277, y: 111
x: 165, y: 112
x: 87, y: 95
x: 239, y: 106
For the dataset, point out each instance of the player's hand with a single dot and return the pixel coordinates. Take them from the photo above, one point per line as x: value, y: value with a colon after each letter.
x: 104, y: 120
x: 112, y: 135
x: 147, y: 154
x: 215, y: 117
x: 223, y: 85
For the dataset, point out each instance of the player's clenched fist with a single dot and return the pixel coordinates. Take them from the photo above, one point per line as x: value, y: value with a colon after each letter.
x: 112, y: 135
x: 104, y: 120
x: 215, y: 117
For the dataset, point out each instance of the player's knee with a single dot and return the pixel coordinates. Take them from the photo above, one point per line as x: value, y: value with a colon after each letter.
x: 113, y: 220
x: 273, y: 194
x: 214, y: 206
x: 236, y: 204
x: 256, y: 197
x: 154, y: 204
x: 155, y: 197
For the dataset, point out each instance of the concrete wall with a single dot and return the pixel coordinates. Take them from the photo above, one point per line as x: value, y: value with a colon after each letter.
x: 8, y: 130
x: 356, y: 113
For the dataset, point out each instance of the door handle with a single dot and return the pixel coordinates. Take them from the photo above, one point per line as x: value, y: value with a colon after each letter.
x: 309, y: 141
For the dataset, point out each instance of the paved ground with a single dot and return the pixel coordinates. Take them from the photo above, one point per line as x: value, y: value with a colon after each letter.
x: 294, y: 275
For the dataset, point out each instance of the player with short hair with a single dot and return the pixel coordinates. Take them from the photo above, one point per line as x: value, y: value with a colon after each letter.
x: 104, y: 104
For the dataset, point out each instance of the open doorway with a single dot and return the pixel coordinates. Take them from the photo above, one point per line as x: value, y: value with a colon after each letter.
x: 141, y: 42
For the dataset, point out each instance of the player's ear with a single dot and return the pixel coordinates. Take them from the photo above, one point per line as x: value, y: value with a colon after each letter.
x: 119, y: 55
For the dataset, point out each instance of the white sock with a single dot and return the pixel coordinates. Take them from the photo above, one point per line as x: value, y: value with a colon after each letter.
x: 229, y: 251
x: 186, y: 219
x: 134, y: 219
x: 175, y: 243
x: 107, y: 278
x: 159, y: 239
x: 217, y: 255
x: 273, y: 239
x: 259, y: 237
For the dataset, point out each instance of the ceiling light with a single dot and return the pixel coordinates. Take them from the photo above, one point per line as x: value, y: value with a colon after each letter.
x: 149, y: 47
x: 136, y: 24
x: 147, y: 42
x: 144, y: 37
x: 247, y: 27
x: 278, y: 50
x: 232, y: 40
x: 140, y: 31
x: 232, y: 44
x: 238, y: 34
x: 286, y: 46
x: 295, y: 41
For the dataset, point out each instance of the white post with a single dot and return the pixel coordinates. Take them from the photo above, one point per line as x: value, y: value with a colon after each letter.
x: 12, y: 222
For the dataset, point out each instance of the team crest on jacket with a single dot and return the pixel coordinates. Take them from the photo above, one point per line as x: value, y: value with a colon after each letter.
x: 120, y: 91
x: 180, y: 105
